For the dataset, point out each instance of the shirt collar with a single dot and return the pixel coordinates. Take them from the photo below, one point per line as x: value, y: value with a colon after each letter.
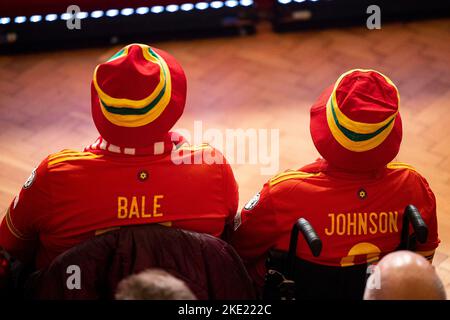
x: 171, y: 141
x: 322, y: 165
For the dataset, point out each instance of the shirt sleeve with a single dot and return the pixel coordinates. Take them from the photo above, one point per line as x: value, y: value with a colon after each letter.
x: 255, y: 233
x: 19, y: 230
x: 231, y: 192
x: 428, y: 211
x: 255, y: 227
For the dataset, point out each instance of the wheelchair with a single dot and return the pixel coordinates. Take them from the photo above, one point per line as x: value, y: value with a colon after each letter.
x: 289, y: 277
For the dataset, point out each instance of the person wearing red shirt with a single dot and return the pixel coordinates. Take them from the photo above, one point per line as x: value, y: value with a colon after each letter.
x: 136, y: 172
x: 354, y: 197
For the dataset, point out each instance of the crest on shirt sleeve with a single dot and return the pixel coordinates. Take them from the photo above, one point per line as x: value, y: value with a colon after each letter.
x: 30, y: 179
x: 253, y: 202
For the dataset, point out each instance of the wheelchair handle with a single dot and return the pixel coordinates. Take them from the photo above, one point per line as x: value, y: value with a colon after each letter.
x: 413, y: 216
x: 312, y: 239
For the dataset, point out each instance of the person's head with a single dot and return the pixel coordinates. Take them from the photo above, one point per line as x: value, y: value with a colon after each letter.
x: 153, y: 284
x: 355, y: 123
x: 404, y: 275
x: 137, y: 96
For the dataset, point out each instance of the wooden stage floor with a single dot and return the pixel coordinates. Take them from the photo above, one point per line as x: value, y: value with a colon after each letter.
x: 264, y: 81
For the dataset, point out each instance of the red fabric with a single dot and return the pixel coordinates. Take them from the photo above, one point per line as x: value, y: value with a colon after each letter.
x: 171, y: 141
x: 119, y: 79
x: 70, y: 200
x: 129, y: 77
x: 330, y: 201
x: 364, y: 98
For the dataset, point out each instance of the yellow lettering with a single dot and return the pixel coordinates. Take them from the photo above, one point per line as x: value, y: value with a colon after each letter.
x: 383, y: 225
x: 156, y: 205
x: 134, y: 208
x: 373, y: 228
x: 393, y: 221
x: 328, y: 232
x: 143, y: 214
x: 362, y: 225
x: 340, y: 225
x: 351, y: 224
x: 122, y: 205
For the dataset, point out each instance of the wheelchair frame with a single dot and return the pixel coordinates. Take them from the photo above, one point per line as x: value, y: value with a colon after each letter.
x: 279, y: 283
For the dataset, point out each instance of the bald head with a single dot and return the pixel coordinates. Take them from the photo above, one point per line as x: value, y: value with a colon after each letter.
x: 404, y: 275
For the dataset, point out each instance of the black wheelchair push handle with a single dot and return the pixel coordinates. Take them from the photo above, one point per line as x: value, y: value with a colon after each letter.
x: 312, y: 239
x: 412, y: 216
x: 419, y: 226
x: 310, y: 235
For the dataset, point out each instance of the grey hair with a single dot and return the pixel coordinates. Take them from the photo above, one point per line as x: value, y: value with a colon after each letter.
x: 153, y: 284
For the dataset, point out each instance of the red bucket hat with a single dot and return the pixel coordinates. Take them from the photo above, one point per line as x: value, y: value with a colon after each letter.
x: 355, y: 123
x: 137, y: 96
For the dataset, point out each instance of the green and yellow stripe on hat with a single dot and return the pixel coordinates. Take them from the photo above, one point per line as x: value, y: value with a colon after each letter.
x: 354, y: 135
x: 126, y: 112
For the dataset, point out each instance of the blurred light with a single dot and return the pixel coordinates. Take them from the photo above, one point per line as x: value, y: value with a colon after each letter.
x: 5, y: 20
x: 142, y: 10
x: 187, y: 7
x: 201, y: 5
x: 284, y: 1
x: 66, y: 16
x: 172, y: 8
x: 216, y: 4
x: 112, y: 12
x: 127, y: 11
x: 157, y: 9
x: 35, y: 18
x: 246, y: 3
x: 20, y: 19
x: 231, y: 3
x: 51, y: 17
x: 97, y: 14
x: 299, y: 1
x: 82, y: 15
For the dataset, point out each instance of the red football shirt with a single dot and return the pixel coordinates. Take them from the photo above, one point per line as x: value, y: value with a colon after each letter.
x: 72, y: 196
x: 357, y: 216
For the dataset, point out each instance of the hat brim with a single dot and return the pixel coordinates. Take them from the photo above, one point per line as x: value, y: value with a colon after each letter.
x: 343, y: 158
x: 156, y: 130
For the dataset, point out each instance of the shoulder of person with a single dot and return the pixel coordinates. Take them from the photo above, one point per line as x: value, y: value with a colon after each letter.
x: 54, y: 162
x: 411, y: 172
x: 204, y: 154
x: 196, y: 148
x: 290, y: 175
x: 38, y: 174
x: 402, y: 167
x: 67, y: 156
